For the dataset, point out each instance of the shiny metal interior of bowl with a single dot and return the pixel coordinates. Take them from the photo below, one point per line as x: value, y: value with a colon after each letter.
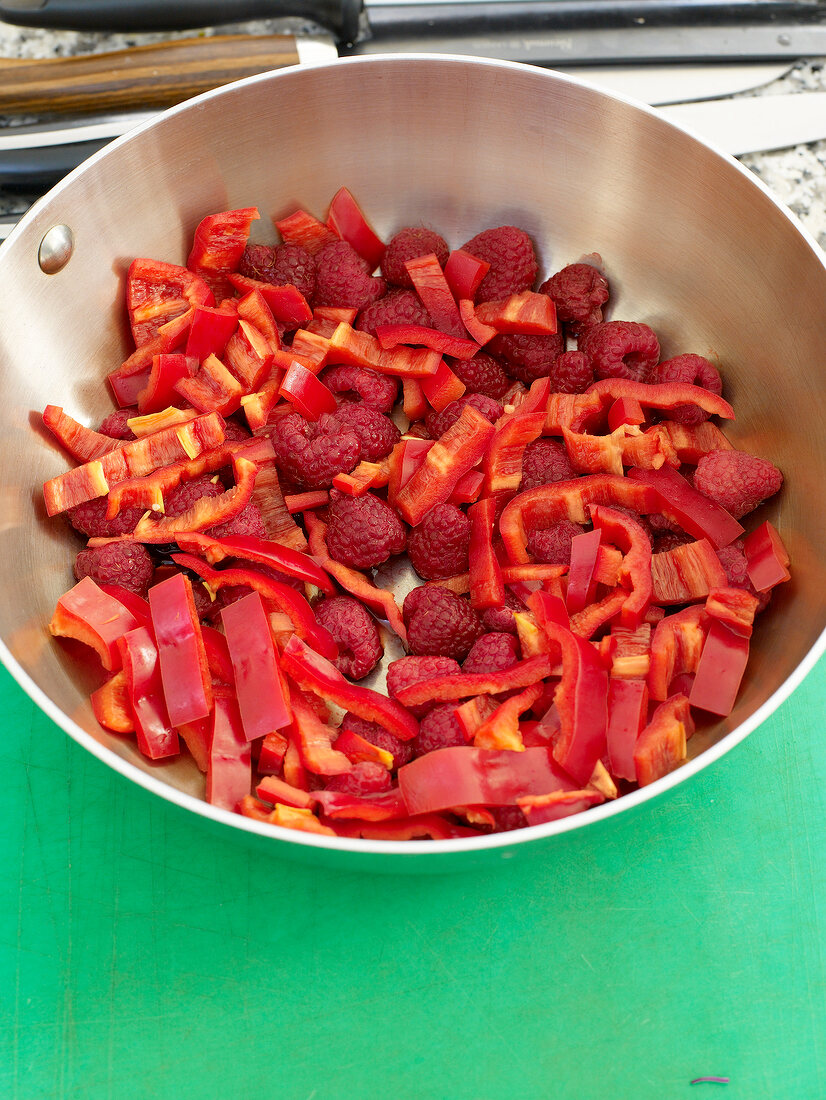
x: 690, y: 243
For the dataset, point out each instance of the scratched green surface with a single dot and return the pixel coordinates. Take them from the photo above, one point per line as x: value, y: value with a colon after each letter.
x: 142, y: 957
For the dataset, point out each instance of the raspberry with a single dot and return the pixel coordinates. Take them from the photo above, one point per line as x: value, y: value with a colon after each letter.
x: 439, y: 729
x: 355, y: 632
x: 363, y: 531
x: 312, y: 454
x: 437, y: 423
x: 440, y: 622
x: 379, y: 391
x: 90, y: 519
x: 670, y: 540
x: 545, y: 460
x: 482, y: 374
x: 399, y: 307
x: 407, y: 244
x: 280, y: 265
x: 365, y: 778
x: 697, y: 371
x: 125, y: 563
x: 527, y: 357
x: 512, y: 259
x: 736, y: 480
x: 621, y: 349
x: 183, y: 496
x: 377, y: 433
x: 235, y: 432
x: 380, y: 737
x: 552, y: 545
x: 508, y: 818
x: 571, y: 373
x: 247, y: 522
x: 579, y: 292
x: 343, y: 278
x: 492, y: 653
x: 500, y: 620
x: 115, y: 423
x: 413, y: 670
x: 438, y: 547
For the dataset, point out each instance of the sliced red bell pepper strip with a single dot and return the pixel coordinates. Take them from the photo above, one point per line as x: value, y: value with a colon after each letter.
x: 217, y: 246
x: 734, y: 608
x: 310, y: 349
x: 595, y: 616
x: 212, y: 389
x: 229, y: 766
x: 575, y: 411
x: 460, y: 448
x: 414, y: 402
x: 93, y: 617
x: 272, y: 752
x: 314, y: 740
x: 686, y: 573
x: 431, y: 285
x: 511, y: 575
x: 464, y: 272
x: 253, y: 307
x: 697, y: 514
x: 367, y: 475
x: 631, y: 652
x: 472, y: 715
x: 650, y: 450
x: 278, y: 522
x: 625, y: 410
x: 305, y: 229
x: 139, y: 655
x: 386, y: 806
x: 676, y: 645
x: 635, y: 570
x: 197, y: 736
x: 379, y: 600
x: 313, y: 673
x: 487, y: 588
x: 158, y: 292
x: 627, y: 714
x: 514, y: 431
x: 336, y: 314
x: 272, y: 789
x: 467, y: 489
x: 132, y: 375
x: 594, y: 454
x: 357, y: 748
x: 581, y: 586
x: 249, y: 356
x: 263, y: 551
x: 262, y: 700
x: 528, y: 312
x: 168, y: 368
x: 360, y: 349
x: 663, y: 395
x: 306, y: 393
x: 661, y: 747
x: 444, y: 689
x: 287, y: 304
x: 209, y: 331
x: 720, y: 670
x: 767, y: 559
x: 467, y: 776
x: 482, y: 334
x: 581, y: 700
x: 304, y: 502
x: 285, y: 598
x: 542, y: 808
x: 111, y: 706
x: 82, y: 443
x: 420, y: 827
x: 260, y: 408
x: 217, y: 654
x: 206, y: 511
x: 187, y: 684
x: 692, y: 441
x: 346, y: 218
x: 459, y: 347
x: 500, y: 730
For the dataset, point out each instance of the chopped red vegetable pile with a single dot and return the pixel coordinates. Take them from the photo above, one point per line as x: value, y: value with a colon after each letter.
x: 298, y: 417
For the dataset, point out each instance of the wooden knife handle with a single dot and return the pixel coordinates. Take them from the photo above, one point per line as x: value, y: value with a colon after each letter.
x: 158, y: 75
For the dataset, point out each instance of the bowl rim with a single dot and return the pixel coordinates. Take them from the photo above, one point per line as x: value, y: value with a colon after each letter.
x: 506, y: 842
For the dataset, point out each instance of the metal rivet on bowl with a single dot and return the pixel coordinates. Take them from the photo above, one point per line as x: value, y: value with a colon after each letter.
x: 784, y: 40
x: 55, y: 249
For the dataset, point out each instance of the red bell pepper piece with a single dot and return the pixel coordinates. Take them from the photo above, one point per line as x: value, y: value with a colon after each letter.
x: 635, y: 570
x: 500, y: 730
x: 209, y: 331
x: 458, y: 347
x: 93, y: 617
x: 205, y: 512
x: 187, y: 684
x: 139, y: 655
x: 158, y: 292
x: 534, y: 574
x: 168, y: 368
x: 582, y: 703
x: 482, y: 334
x: 595, y: 616
x: 360, y: 349
x: 278, y: 522
x: 213, y: 388
x: 287, y: 304
x: 464, y: 272
x: 661, y: 747
x: 528, y: 312
x: 249, y: 356
x: 285, y: 598
x: 676, y: 645
x: 625, y: 410
x: 487, y: 588
x: 272, y: 752
x: 336, y: 314
x: 306, y: 393
x: 467, y: 776
x: 414, y: 402
x: 379, y: 600
x: 253, y: 307
x: 720, y: 670
x: 631, y: 651
x: 577, y: 412
x: 767, y: 559
x: 734, y: 608
x: 472, y: 715
x: 367, y: 475
x: 263, y: 552
x: 460, y: 448
x: 386, y: 806
x: 542, y: 808
x: 272, y: 789
x: 692, y: 441
x: 468, y: 488
x: 262, y: 700
x: 581, y: 586
x: 305, y: 229
x: 695, y: 513
x: 132, y: 375
x: 310, y: 349
x: 312, y: 672
x: 627, y: 714
x: 110, y: 704
x: 594, y: 454
x: 304, y: 502
x: 314, y: 739
x: 419, y: 827
x: 686, y: 573
x: 514, y: 431
x: 217, y: 246
x: 229, y: 766
x: 83, y: 444
x: 431, y: 285
x: 357, y: 748
x: 663, y: 395
x: 445, y: 689
x: 346, y: 218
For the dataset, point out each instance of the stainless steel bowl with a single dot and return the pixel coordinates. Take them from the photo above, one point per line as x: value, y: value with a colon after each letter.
x: 692, y: 243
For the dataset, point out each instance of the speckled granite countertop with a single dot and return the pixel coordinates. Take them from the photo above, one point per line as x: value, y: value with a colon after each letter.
x: 797, y: 176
